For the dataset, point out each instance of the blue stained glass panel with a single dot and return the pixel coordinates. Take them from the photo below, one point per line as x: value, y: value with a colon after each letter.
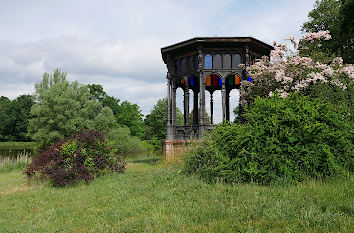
x: 249, y: 79
x: 220, y: 82
x: 208, y: 61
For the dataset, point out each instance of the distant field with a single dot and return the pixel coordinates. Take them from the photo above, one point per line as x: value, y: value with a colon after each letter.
x: 18, y: 145
x: 158, y: 198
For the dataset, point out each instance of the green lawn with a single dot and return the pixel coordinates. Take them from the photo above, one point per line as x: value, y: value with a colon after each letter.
x: 157, y: 198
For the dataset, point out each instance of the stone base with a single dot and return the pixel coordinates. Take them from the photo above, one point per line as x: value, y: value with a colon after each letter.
x: 174, y: 149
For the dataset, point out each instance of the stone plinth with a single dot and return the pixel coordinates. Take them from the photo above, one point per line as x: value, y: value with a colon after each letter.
x: 174, y: 149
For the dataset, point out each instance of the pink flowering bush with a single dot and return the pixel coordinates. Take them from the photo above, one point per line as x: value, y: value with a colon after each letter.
x: 288, y: 70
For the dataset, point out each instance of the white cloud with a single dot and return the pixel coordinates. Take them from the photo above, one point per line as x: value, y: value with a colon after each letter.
x: 117, y: 43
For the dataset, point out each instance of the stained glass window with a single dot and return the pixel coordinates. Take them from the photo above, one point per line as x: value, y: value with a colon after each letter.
x: 213, y: 81
x: 190, y: 64
x: 178, y: 66
x: 237, y: 80
x: 217, y: 64
x: 208, y: 61
x: 249, y: 78
x: 181, y: 82
x: 184, y: 65
x: 236, y: 61
x: 196, y: 62
x: 227, y: 61
x: 208, y: 81
x: 194, y: 82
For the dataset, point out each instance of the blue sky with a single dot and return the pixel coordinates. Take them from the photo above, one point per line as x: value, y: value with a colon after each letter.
x: 117, y: 43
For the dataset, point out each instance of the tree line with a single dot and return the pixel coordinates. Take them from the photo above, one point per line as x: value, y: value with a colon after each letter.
x: 59, y: 109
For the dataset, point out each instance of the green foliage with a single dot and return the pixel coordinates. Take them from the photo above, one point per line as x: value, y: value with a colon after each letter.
x: 337, y: 17
x: 82, y: 157
x: 14, y: 116
x: 156, y: 121
x: 130, y: 115
x: 283, y: 140
x: 124, y: 142
x: 64, y: 108
x: 126, y: 113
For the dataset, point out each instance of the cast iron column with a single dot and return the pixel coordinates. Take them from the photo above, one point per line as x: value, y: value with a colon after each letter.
x: 211, y: 108
x: 169, y: 133
x: 223, y: 99
x: 202, y: 100
x: 195, y: 107
x: 173, y: 106
x: 186, y: 106
x: 227, y: 103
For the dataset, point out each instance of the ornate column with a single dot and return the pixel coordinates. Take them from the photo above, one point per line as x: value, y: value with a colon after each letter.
x: 202, y: 114
x: 195, y: 107
x: 247, y: 55
x: 223, y: 100
x: 211, y: 108
x: 227, y: 103
x: 169, y: 133
x: 168, y: 99
x: 202, y: 100
x: 173, y: 106
x: 186, y: 106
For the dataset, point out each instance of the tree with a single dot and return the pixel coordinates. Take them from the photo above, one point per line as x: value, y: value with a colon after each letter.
x: 126, y: 113
x: 14, y: 116
x: 156, y: 121
x: 336, y: 17
x: 288, y: 71
x: 64, y: 108
x: 130, y: 115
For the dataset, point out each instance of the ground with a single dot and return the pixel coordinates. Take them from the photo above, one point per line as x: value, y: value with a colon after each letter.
x: 160, y: 198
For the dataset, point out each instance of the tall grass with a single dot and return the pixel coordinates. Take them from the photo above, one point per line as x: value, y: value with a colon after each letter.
x: 8, y: 164
x: 157, y: 198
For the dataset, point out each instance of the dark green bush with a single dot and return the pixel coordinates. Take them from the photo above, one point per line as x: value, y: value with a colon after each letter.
x: 82, y: 157
x: 282, y: 140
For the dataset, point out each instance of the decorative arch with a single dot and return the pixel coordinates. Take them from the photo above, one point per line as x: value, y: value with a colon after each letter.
x: 181, y: 82
x: 193, y: 82
x: 178, y: 66
x: 208, y: 61
x: 227, y: 61
x: 233, y: 81
x: 236, y: 61
x: 217, y: 62
x: 184, y: 65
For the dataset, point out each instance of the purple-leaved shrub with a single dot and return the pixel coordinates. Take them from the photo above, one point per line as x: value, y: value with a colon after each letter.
x: 82, y: 157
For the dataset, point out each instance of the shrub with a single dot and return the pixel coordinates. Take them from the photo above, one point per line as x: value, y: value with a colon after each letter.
x: 283, y: 140
x: 82, y: 157
x: 122, y: 140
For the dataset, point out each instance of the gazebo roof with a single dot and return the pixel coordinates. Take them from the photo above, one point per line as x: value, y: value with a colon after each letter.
x: 214, y: 42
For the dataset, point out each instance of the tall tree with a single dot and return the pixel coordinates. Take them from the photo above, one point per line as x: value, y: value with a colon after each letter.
x: 126, y: 113
x: 156, y: 121
x: 14, y: 116
x: 336, y: 17
x: 63, y: 108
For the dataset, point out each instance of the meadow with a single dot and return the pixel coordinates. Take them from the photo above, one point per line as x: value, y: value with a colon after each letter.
x: 156, y: 197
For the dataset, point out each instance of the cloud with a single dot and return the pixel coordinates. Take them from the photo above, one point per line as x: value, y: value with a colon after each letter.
x: 117, y: 43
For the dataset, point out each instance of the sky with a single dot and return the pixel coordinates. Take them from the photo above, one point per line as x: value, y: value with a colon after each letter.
x: 117, y: 43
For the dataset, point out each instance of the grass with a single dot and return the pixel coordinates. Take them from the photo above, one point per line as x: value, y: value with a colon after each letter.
x: 158, y: 198
x: 8, y: 164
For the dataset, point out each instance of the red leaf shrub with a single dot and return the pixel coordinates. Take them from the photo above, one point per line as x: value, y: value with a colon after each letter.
x: 82, y: 157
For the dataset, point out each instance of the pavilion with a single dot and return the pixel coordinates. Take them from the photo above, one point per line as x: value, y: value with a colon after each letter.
x: 205, y: 64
